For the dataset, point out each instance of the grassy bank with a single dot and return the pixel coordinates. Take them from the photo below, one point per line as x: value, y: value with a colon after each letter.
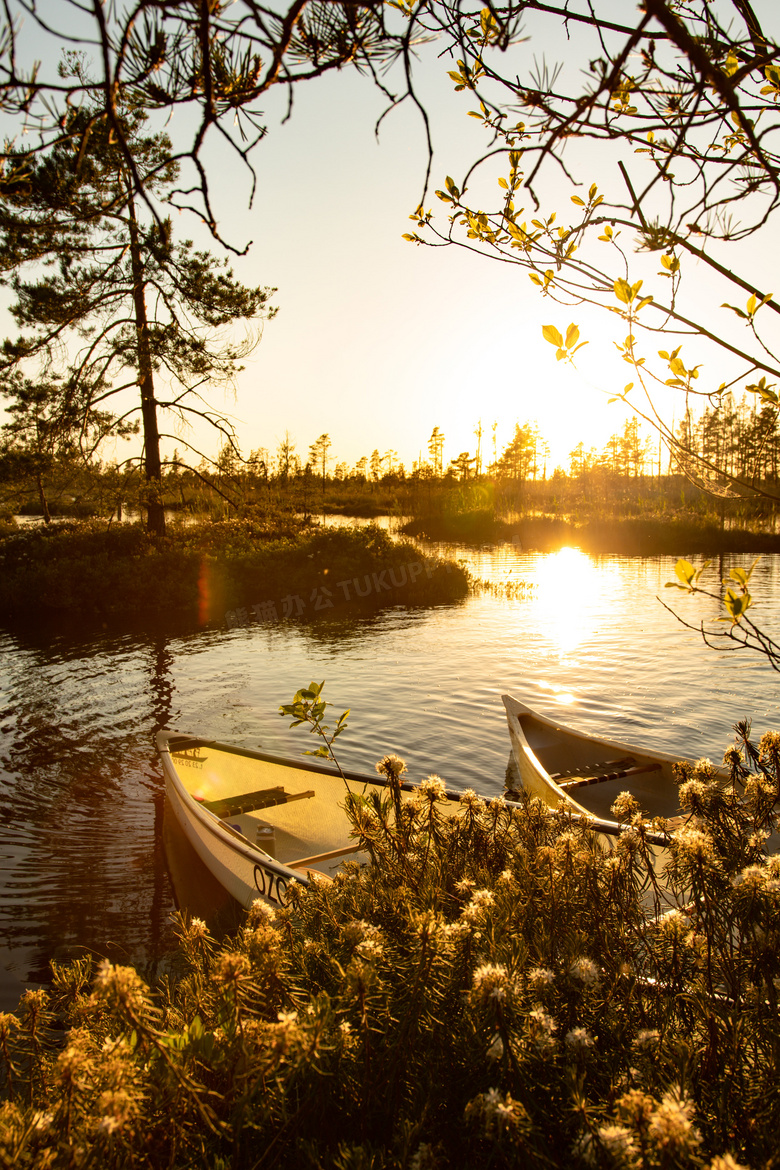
x: 637, y: 536
x: 487, y: 992
x: 230, y: 572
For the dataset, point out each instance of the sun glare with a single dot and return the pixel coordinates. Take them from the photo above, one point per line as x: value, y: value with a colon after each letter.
x: 566, y: 580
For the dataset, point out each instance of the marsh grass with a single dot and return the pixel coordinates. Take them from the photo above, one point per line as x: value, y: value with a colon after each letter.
x: 487, y: 992
x: 593, y: 533
x: 205, y: 570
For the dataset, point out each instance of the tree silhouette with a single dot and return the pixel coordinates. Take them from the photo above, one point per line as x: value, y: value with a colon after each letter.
x: 106, y: 299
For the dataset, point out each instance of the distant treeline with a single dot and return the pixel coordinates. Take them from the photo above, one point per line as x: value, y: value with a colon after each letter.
x: 629, y: 477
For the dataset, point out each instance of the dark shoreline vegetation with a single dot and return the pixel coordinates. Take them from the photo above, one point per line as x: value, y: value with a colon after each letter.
x: 495, y: 988
x: 229, y: 572
x: 272, y: 563
x: 629, y: 535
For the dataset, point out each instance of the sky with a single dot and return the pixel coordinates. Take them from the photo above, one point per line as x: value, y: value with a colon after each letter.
x: 378, y: 341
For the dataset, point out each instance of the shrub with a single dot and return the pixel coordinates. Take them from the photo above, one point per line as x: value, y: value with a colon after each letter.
x: 121, y: 572
x: 487, y: 991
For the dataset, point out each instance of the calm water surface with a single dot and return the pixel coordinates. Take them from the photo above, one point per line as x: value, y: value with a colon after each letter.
x: 81, y: 794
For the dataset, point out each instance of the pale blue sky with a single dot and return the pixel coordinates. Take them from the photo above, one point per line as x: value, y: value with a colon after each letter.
x: 378, y: 341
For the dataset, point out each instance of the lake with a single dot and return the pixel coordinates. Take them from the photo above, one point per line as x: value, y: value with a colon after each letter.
x: 82, y: 863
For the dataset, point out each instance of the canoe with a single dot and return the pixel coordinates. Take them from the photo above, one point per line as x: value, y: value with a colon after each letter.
x: 260, y: 822
x: 585, y: 773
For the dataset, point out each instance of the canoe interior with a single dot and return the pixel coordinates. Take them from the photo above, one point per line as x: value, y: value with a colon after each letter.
x: 565, y: 755
x: 243, y: 791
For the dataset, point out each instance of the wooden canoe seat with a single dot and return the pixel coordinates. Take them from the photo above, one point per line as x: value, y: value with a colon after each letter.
x: 233, y: 806
x: 618, y: 774
x: 594, y: 769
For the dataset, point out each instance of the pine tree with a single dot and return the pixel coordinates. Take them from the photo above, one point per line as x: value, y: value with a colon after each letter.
x: 105, y: 299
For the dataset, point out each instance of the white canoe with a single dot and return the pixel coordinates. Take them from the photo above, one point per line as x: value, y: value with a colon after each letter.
x: 585, y: 773
x: 259, y: 822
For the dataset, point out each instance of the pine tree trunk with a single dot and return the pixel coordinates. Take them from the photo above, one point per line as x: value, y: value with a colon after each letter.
x: 42, y: 497
x: 155, y: 514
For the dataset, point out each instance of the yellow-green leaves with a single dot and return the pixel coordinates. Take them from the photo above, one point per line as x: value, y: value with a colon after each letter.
x: 736, y: 603
x: 465, y: 76
x: 737, y: 599
x: 489, y: 27
x: 670, y: 264
x: 766, y: 393
x: 454, y: 192
x: 421, y: 218
x: 545, y: 283
x: 621, y: 95
x: 772, y: 74
x: 732, y: 64
x: 751, y: 308
x: 626, y: 292
x: 687, y: 575
x: 566, y: 347
x: 681, y: 377
x: 593, y: 198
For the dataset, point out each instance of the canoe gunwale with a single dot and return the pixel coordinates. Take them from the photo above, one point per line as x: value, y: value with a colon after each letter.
x: 172, y: 741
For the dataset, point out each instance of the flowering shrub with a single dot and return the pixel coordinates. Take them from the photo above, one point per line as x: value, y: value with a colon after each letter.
x: 489, y: 990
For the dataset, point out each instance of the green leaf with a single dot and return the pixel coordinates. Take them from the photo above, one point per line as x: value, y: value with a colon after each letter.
x: 196, y: 1028
x: 623, y: 291
x: 734, y: 309
x: 685, y: 571
x: 737, y: 603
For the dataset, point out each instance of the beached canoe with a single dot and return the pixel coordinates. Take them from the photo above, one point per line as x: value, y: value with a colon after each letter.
x: 259, y: 822
x: 585, y: 772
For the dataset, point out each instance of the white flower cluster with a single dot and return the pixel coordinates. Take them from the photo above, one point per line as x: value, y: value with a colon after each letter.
x: 761, y: 878
x: 434, y: 788
x: 646, y: 1039
x: 579, y: 1039
x: 542, y: 1028
x: 260, y: 913
x: 694, y: 846
x: 480, y: 900
x: 496, y: 1111
x: 625, y: 806
x: 490, y: 981
x: 586, y: 971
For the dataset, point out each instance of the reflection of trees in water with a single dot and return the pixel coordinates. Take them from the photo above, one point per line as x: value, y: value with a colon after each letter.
x: 162, y: 688
x: 354, y: 626
x: 161, y: 682
x: 81, y: 801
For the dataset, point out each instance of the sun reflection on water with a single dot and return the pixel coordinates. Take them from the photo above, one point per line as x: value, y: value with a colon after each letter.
x: 567, y: 581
